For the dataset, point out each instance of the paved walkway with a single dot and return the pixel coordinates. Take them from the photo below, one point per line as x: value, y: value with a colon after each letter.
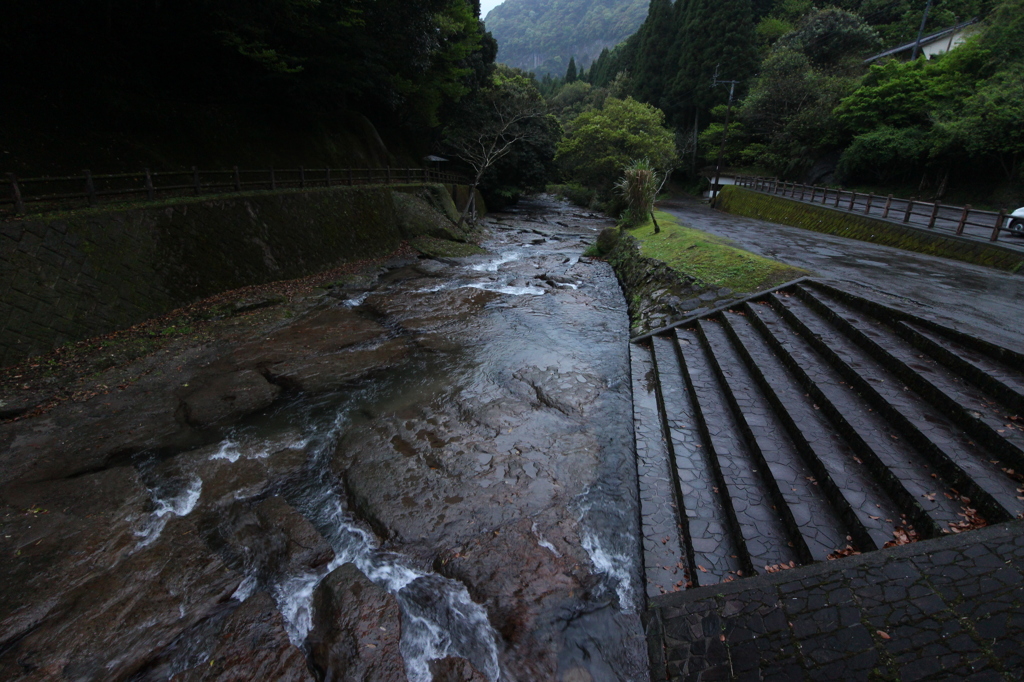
x: 969, y: 297
x: 946, y: 609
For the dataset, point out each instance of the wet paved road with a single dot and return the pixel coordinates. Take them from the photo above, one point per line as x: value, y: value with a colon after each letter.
x: 967, y: 297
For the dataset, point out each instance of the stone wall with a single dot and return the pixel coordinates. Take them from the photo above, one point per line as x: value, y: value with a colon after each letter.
x: 823, y: 219
x: 69, y: 277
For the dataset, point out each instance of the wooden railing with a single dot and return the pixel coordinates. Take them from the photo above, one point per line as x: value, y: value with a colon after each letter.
x: 931, y: 214
x: 50, y: 193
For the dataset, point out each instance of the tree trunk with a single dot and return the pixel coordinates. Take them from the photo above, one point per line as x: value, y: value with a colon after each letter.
x: 657, y: 229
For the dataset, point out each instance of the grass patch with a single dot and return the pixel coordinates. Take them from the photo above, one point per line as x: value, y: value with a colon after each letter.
x: 710, y: 258
x: 443, y: 248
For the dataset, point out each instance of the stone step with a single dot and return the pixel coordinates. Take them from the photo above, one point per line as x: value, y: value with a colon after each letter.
x: 985, y: 420
x: 934, y: 419
x: 859, y: 499
x: 832, y: 365
x: 741, y: 480
x: 664, y: 552
x: 817, y: 530
x: 990, y: 375
x: 714, y: 554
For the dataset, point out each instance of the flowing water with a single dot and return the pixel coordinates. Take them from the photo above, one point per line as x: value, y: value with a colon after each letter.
x: 513, y: 407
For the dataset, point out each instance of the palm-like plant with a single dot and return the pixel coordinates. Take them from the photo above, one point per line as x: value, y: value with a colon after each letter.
x: 639, y: 184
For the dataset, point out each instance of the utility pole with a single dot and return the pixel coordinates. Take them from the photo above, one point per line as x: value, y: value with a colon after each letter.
x: 920, y: 31
x: 725, y: 134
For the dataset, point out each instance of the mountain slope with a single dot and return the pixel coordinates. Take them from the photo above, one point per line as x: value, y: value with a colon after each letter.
x: 542, y: 35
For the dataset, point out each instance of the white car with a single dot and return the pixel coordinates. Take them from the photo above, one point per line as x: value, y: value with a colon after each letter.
x: 1015, y: 221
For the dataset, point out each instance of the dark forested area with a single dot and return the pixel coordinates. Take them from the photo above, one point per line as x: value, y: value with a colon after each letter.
x: 120, y: 82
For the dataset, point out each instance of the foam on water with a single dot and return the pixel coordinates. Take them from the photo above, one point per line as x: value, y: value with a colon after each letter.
x: 506, y: 289
x: 615, y: 566
x: 180, y: 504
x: 493, y: 265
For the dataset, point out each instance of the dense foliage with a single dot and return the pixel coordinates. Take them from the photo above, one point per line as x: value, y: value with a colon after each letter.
x: 402, y: 60
x: 808, y: 107
x: 543, y: 35
x: 600, y: 143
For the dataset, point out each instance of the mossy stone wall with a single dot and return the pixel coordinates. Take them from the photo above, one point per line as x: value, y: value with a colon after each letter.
x: 785, y: 211
x: 90, y: 272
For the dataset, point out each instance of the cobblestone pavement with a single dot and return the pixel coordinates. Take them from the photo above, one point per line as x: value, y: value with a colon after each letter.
x: 968, y: 297
x: 945, y: 609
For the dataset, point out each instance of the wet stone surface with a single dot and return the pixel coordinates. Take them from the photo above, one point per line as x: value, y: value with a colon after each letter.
x: 937, y: 610
x: 446, y: 444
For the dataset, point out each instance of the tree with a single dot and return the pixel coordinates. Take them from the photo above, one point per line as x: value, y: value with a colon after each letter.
x: 502, y: 116
x: 570, y: 73
x: 599, y: 143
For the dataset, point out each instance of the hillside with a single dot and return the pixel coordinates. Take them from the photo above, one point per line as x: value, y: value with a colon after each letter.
x: 542, y: 35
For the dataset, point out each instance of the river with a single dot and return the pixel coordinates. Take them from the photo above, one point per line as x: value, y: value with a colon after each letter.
x: 459, y: 430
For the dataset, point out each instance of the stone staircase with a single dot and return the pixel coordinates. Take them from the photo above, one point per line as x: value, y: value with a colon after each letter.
x: 807, y: 424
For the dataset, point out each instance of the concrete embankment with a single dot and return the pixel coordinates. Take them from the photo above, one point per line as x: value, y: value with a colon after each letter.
x: 71, y: 276
x: 784, y: 211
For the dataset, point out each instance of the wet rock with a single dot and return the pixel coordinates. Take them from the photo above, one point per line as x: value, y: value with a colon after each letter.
x: 229, y: 397
x: 59, y: 534
x: 323, y: 351
x: 568, y: 393
x: 558, y: 279
x: 78, y: 437
x: 251, y: 645
x: 266, y: 540
x: 454, y: 669
x: 306, y: 547
x: 357, y: 631
x: 233, y: 471
x: 246, y: 305
x: 108, y: 626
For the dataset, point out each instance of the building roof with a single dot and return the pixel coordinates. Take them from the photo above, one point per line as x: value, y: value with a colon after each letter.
x: 925, y: 40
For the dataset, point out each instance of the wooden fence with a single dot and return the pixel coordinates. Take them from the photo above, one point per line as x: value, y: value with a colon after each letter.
x: 911, y: 211
x: 51, y: 193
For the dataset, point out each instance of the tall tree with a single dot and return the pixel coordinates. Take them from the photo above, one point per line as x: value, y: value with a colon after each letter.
x: 651, y: 71
x: 570, y: 73
x: 715, y: 35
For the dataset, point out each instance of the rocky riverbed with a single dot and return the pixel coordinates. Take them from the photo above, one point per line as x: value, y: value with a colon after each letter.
x: 424, y: 471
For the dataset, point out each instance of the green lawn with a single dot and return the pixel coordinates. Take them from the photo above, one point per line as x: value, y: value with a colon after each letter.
x: 710, y: 258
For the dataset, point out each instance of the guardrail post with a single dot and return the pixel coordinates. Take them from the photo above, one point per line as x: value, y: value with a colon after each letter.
x: 910, y: 208
x: 195, y: 180
x: 90, y: 187
x: 149, y: 184
x: 935, y: 214
x: 19, y: 205
x: 237, y: 179
x: 963, y: 220
x: 327, y: 176
x: 888, y: 205
x: 302, y: 177
x: 867, y: 208
x: 814, y: 193
x: 351, y: 178
x: 273, y: 179
x: 853, y: 201
x: 389, y: 175
x: 803, y: 191
x: 839, y: 195
x: 999, y: 224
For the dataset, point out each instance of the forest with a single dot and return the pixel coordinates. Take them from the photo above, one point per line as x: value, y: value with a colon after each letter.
x: 541, y: 36
x: 120, y: 84
x: 807, y: 105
